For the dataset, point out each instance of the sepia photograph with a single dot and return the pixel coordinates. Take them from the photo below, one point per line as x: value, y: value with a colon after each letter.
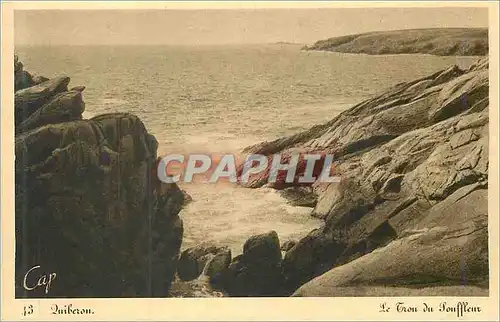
x: 251, y: 153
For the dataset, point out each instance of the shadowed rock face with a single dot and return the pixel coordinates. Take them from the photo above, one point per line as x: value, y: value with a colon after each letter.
x: 87, y: 205
x: 411, y: 206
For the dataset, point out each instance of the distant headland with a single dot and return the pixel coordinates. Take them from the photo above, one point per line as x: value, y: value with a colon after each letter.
x: 436, y: 41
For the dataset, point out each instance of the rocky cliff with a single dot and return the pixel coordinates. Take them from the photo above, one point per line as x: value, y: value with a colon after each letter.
x: 410, y: 214
x: 88, y: 206
x: 437, y: 41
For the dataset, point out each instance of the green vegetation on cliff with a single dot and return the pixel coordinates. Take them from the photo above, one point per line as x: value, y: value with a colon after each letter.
x: 438, y: 41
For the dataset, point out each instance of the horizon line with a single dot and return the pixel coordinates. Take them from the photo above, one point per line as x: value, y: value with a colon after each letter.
x: 278, y: 42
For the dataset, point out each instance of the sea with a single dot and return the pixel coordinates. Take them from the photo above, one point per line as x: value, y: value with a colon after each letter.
x: 220, y: 99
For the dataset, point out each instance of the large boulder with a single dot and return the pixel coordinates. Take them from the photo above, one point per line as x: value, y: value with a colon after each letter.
x: 451, y: 249
x: 88, y: 206
x: 263, y: 247
x: 311, y: 256
x: 256, y: 272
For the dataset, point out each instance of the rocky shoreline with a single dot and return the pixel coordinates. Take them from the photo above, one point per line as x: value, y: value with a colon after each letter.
x: 411, y: 210
x: 436, y: 41
x: 408, y: 218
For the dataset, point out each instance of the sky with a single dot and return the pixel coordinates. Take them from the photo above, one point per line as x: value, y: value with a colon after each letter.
x: 216, y: 27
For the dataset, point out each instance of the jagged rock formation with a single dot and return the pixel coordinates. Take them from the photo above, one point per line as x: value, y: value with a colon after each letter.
x: 411, y: 208
x: 87, y: 204
x: 437, y: 41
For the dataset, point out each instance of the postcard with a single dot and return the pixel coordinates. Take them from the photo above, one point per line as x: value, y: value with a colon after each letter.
x: 249, y: 161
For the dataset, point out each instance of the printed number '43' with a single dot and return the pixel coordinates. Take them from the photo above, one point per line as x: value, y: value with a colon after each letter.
x: 28, y: 310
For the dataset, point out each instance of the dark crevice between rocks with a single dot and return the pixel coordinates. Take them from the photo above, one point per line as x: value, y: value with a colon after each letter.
x: 479, y: 106
x: 355, y: 213
x: 391, y: 188
x: 462, y: 103
x: 469, y: 178
x: 466, y: 234
x: 394, y: 184
x: 379, y: 237
x: 362, y: 146
x: 402, y: 206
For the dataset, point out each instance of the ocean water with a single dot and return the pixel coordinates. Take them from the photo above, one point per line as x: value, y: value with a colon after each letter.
x: 219, y: 99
